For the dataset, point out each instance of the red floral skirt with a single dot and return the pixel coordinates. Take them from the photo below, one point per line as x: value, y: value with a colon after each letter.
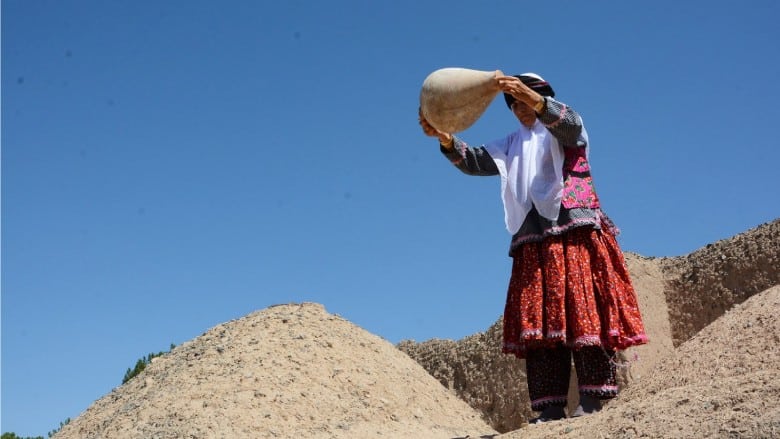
x: 572, y: 289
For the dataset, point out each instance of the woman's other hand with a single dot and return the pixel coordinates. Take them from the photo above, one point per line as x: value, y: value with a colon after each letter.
x: 521, y: 92
x: 511, y: 85
x: 444, y: 138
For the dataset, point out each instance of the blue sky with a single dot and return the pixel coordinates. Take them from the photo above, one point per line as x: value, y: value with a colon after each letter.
x: 169, y: 166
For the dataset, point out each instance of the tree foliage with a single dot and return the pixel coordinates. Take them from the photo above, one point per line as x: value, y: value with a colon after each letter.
x: 12, y: 435
x: 141, y: 364
x: 56, y: 430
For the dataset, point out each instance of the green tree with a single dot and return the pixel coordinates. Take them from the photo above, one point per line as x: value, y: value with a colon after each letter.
x: 141, y: 364
x: 56, y: 430
x: 12, y: 435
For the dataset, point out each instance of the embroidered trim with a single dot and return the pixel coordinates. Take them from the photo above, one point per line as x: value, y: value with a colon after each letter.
x: 638, y: 339
x: 597, y: 388
x: 556, y: 398
x: 461, y: 146
x: 557, y: 230
x: 526, y: 333
x: 587, y: 340
x: 564, y: 107
x: 617, y: 343
x: 600, y: 221
x: 556, y: 334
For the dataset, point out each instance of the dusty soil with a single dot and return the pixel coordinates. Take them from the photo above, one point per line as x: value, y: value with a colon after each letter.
x: 289, y: 371
x: 296, y: 371
x: 669, y: 297
x: 495, y: 383
x: 722, y: 383
x: 701, y: 286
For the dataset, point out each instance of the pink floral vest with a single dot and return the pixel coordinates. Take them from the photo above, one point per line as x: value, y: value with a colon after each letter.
x: 578, y: 188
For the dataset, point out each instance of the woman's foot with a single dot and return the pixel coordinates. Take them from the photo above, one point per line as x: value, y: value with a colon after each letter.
x: 586, y: 406
x: 552, y: 413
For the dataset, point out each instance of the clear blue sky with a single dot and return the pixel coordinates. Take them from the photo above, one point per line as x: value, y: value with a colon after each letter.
x: 169, y: 166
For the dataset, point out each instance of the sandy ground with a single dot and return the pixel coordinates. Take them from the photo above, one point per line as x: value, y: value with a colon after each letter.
x: 671, y: 300
x: 722, y: 383
x: 296, y: 371
x: 287, y: 371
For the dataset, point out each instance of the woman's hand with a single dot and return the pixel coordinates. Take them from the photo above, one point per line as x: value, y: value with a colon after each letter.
x: 515, y: 87
x: 444, y: 138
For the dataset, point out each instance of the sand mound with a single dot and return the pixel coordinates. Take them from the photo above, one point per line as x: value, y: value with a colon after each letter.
x: 475, y: 368
x: 724, y: 382
x: 685, y: 293
x: 495, y: 384
x: 297, y: 371
x: 290, y: 371
x: 704, y: 284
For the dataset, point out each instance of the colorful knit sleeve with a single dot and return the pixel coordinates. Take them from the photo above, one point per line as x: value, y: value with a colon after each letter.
x: 563, y: 122
x: 471, y: 161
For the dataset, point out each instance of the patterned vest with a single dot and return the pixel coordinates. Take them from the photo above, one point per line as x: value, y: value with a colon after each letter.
x: 578, y: 188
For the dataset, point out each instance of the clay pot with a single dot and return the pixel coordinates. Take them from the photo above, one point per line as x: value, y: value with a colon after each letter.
x: 453, y: 98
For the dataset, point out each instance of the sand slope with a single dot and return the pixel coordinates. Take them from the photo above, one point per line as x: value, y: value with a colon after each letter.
x: 678, y: 295
x: 724, y: 382
x: 290, y: 371
x: 701, y: 286
x: 296, y: 371
x: 495, y: 384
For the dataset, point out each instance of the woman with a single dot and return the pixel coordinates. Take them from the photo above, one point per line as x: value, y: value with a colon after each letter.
x: 569, y: 294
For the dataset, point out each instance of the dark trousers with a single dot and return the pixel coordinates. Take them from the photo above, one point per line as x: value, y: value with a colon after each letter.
x: 548, y: 371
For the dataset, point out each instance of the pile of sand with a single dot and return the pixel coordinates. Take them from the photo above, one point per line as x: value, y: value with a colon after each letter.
x: 723, y: 382
x: 290, y: 371
x: 295, y: 371
x: 480, y: 374
x: 701, y: 286
x: 669, y: 297
x: 495, y: 384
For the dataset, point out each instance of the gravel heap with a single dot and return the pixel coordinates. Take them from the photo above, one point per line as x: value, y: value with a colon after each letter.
x: 677, y: 296
x: 289, y: 371
x: 722, y: 383
x: 296, y: 371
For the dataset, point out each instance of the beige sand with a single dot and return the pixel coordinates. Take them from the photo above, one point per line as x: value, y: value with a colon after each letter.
x: 295, y: 371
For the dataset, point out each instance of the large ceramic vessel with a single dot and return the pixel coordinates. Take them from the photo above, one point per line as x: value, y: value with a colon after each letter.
x: 453, y: 98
